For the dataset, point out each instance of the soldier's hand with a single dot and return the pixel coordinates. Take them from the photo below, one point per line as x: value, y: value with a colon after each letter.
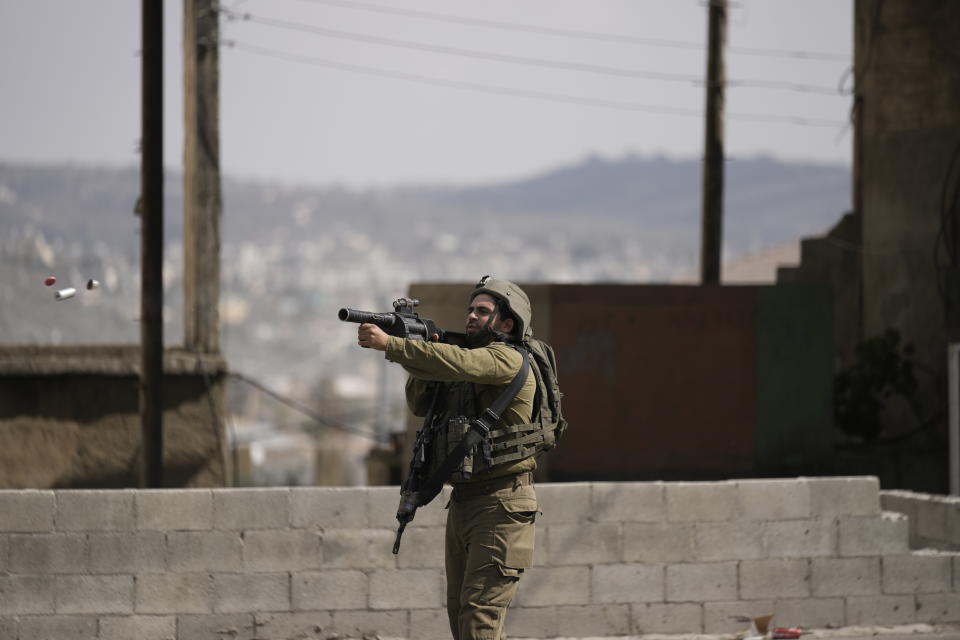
x: 370, y: 336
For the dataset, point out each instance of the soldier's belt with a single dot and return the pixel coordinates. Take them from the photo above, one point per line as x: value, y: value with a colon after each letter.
x: 488, y: 487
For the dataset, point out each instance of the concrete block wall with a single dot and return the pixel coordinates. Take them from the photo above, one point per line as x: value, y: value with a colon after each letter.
x: 611, y: 559
x: 934, y: 519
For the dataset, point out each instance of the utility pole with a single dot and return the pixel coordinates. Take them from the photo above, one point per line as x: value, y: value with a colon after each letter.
x: 151, y: 244
x: 202, y: 198
x: 712, y: 232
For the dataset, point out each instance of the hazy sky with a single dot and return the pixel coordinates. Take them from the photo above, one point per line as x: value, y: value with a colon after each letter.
x: 71, y: 88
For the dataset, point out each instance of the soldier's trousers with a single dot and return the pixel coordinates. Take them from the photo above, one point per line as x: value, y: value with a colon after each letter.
x: 489, y: 542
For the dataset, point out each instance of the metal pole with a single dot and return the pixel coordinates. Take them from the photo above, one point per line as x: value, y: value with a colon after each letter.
x: 151, y: 243
x: 712, y: 232
x: 953, y: 368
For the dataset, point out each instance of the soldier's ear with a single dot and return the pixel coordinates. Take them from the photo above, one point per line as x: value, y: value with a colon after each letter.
x: 506, y: 325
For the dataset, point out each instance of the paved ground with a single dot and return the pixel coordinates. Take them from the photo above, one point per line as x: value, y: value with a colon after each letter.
x: 907, y: 632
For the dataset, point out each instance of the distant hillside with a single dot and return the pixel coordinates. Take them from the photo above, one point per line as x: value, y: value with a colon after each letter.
x: 766, y: 202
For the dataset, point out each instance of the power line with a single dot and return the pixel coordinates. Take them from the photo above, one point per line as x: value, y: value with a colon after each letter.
x: 523, y: 93
x: 577, y: 33
x: 537, y: 62
x: 303, y: 409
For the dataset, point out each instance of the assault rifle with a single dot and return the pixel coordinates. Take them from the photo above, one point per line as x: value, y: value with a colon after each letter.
x: 404, y: 322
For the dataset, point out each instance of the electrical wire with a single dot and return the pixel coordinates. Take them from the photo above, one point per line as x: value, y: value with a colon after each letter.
x: 523, y: 93
x: 537, y: 62
x: 301, y: 408
x: 576, y: 33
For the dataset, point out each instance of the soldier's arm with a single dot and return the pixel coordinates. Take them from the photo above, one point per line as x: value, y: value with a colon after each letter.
x: 439, y: 362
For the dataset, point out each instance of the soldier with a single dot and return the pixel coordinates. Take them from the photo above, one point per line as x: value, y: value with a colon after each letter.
x: 491, y: 514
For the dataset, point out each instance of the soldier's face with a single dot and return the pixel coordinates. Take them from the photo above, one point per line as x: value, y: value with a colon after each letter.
x: 481, y: 309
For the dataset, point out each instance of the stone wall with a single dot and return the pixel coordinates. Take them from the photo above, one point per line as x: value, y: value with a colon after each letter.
x: 934, y: 519
x: 611, y: 559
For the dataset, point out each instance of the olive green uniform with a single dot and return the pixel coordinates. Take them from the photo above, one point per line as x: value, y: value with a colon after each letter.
x: 490, y: 518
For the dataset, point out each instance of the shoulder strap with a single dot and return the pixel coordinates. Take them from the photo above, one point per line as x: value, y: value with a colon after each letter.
x: 478, y: 431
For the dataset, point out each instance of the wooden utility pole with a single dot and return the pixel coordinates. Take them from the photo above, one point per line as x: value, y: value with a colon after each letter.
x: 201, y: 177
x: 151, y: 243
x: 712, y: 233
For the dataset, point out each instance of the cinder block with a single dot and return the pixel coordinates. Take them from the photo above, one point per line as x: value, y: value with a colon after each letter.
x: 810, y: 613
x: 9, y: 628
x: 361, y: 548
x: 357, y: 624
x: 329, y: 590
x: 601, y: 620
x: 302, y: 626
x: 58, y: 628
x: 684, y: 617
x: 406, y: 589
x: 801, y: 538
x: 23, y: 511
x: 26, y: 594
x: 906, y: 504
x: 917, y: 573
x: 550, y: 586
x: 94, y: 594
x: 702, y: 581
x: 330, y: 507
x: 191, y: 551
x: 422, y: 548
x: 781, y: 499
x: 728, y: 541
x: 431, y: 624
x: 726, y: 617
x: 180, y: 593
x: 847, y: 496
x: 888, y: 534
x: 138, y: 627
x: 240, y: 592
x: 47, y: 553
x: 564, y: 502
x: 881, y: 610
x: 625, y: 583
x: 232, y: 626
x: 953, y: 523
x: 628, y: 502
x: 127, y: 552
x: 938, y: 608
x: 531, y: 622
x: 288, y: 550
x: 541, y: 546
x: 174, y: 509
x: 587, y: 543
x: 931, y: 522
x: 382, y: 505
x: 845, y: 576
x: 701, y: 501
x: 94, y: 510
x: 243, y: 509
x: 657, y: 542
x: 774, y: 578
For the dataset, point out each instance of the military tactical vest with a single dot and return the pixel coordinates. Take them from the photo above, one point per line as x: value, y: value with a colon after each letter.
x: 506, y: 443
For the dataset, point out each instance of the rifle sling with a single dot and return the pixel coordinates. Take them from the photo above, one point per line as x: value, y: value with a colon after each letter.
x: 479, y: 429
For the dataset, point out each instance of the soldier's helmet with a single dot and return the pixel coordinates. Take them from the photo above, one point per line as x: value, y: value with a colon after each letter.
x: 515, y: 299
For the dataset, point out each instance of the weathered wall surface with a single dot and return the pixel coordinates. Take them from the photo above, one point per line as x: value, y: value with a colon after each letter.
x: 934, y: 519
x: 908, y: 110
x: 611, y: 559
x: 69, y: 417
x: 680, y: 382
